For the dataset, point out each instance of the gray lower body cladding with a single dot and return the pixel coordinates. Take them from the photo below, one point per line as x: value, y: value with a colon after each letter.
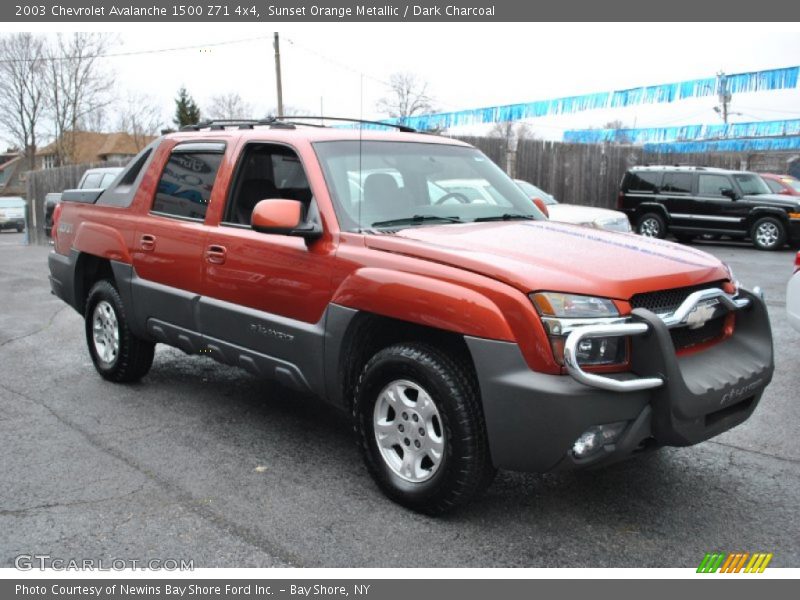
x: 533, y: 419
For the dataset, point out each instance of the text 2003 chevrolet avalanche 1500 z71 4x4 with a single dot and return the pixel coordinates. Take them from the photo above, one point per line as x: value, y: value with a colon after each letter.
x: 463, y: 336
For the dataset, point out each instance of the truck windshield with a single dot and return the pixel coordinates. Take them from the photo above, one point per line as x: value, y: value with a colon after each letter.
x: 385, y: 184
x: 751, y: 185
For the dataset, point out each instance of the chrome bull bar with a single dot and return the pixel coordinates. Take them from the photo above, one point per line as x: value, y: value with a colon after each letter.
x: 697, y: 307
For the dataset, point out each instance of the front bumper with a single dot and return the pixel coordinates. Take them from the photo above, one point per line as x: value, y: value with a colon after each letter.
x: 533, y: 419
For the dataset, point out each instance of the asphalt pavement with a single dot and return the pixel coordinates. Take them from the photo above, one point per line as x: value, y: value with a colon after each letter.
x: 205, y: 462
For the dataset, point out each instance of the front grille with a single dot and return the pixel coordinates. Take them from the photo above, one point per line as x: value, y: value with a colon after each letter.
x: 683, y: 337
x: 667, y: 301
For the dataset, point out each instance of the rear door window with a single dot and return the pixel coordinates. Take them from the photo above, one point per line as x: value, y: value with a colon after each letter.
x: 774, y: 186
x: 677, y: 183
x: 184, y: 189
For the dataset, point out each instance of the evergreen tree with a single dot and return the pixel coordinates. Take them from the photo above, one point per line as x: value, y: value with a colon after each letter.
x: 186, y: 110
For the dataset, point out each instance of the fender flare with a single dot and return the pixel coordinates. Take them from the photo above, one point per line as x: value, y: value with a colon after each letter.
x: 646, y: 207
x: 101, y: 241
x: 425, y: 301
x: 758, y: 212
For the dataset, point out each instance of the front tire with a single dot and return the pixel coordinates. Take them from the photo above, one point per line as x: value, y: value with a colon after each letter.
x: 421, y: 429
x: 768, y: 233
x: 117, y: 354
x: 652, y: 225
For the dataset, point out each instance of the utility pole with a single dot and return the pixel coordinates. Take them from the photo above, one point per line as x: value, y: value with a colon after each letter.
x: 724, y: 97
x: 277, y: 45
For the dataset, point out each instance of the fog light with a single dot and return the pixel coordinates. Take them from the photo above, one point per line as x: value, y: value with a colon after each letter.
x: 594, y: 438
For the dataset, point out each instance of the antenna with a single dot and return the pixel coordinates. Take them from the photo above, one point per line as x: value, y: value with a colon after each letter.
x: 360, y: 145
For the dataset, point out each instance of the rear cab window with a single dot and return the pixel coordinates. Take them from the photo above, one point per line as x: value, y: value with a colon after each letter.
x: 185, y: 186
x: 643, y: 181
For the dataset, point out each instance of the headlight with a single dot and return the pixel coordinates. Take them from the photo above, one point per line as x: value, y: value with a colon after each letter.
x: 620, y: 224
x: 562, y: 313
x: 573, y: 306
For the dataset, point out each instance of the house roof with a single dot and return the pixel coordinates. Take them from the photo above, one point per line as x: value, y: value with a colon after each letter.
x: 90, y: 146
x: 10, y: 162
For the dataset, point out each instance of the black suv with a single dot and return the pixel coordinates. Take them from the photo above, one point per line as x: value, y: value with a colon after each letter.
x: 694, y: 201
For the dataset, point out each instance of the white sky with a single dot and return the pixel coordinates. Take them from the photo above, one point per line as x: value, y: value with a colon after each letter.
x: 466, y: 65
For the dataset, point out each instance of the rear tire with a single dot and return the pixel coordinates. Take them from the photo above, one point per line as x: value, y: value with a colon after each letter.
x: 652, y: 225
x: 117, y: 354
x: 768, y: 233
x: 420, y: 428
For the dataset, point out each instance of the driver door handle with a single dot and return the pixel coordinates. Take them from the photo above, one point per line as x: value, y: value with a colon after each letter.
x: 215, y: 254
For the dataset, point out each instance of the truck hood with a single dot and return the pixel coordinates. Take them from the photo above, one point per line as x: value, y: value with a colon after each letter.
x: 544, y: 255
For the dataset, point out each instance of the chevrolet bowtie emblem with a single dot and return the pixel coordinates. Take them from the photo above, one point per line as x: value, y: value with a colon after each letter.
x: 702, y: 313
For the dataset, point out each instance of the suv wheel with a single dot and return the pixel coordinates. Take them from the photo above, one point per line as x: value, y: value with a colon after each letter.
x: 652, y: 225
x: 768, y: 234
x: 117, y: 354
x: 421, y: 429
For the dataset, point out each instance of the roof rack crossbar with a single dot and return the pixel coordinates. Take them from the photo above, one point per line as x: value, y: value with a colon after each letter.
x: 284, y: 122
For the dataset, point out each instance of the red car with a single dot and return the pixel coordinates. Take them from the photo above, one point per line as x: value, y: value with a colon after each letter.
x: 461, y: 335
x: 782, y: 184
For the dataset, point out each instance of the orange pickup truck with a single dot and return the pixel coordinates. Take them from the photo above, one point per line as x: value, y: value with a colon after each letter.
x: 463, y: 335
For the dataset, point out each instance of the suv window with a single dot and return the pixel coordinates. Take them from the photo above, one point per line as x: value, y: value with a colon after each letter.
x: 92, y: 181
x: 712, y: 185
x: 643, y: 181
x: 186, y: 183
x: 680, y: 183
x: 773, y: 185
x: 751, y: 185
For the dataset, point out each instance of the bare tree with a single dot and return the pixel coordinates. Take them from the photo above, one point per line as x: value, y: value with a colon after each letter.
x: 22, y: 90
x: 619, y: 138
x: 228, y: 106
x: 408, y: 96
x: 79, y: 86
x: 141, y: 118
x: 288, y: 110
x: 511, y: 132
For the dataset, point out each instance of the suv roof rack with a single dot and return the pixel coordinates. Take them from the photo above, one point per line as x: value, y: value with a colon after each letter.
x: 283, y: 122
x: 398, y: 126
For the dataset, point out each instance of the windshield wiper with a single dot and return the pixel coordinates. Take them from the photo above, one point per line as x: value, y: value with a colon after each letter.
x: 507, y: 217
x: 415, y: 219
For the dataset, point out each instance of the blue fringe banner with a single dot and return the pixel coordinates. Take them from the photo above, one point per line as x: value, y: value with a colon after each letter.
x: 756, y: 81
x: 684, y: 132
x: 750, y: 145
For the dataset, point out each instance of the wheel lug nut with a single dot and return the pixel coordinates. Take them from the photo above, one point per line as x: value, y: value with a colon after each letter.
x: 407, y: 442
x: 405, y: 416
x: 416, y: 443
x: 415, y: 417
x: 400, y: 427
x: 421, y: 431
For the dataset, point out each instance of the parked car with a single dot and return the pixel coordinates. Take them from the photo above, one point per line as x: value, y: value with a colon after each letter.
x: 461, y: 336
x: 98, y: 179
x: 793, y: 295
x: 694, y: 201
x: 782, y: 184
x: 12, y: 213
x: 599, y: 218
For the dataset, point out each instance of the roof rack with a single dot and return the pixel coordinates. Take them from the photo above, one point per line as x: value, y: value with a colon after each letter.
x: 283, y: 122
x: 398, y: 126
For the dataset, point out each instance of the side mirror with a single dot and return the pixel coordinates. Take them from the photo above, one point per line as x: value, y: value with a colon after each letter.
x: 541, y: 206
x: 284, y: 217
x: 728, y: 192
